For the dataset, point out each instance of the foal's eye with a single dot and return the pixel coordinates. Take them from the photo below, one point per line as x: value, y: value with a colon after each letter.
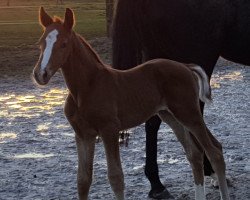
x: 63, y: 45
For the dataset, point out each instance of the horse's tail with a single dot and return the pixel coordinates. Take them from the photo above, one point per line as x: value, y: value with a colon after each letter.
x: 126, y: 48
x: 203, y: 82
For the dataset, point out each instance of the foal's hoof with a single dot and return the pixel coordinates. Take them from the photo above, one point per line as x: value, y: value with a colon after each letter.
x: 215, y: 184
x: 160, y: 195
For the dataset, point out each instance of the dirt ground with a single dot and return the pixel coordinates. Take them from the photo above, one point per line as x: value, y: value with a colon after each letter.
x: 38, y: 159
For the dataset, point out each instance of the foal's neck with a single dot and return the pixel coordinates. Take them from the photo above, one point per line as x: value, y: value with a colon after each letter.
x: 81, y: 67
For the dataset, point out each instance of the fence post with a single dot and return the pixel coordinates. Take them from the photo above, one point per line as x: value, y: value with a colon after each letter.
x: 109, y: 16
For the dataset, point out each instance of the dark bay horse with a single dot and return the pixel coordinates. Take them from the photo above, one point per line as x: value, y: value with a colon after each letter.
x: 190, y: 31
x: 103, y: 101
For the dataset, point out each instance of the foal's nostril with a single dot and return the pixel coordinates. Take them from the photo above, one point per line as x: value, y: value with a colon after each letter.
x: 45, y: 75
x: 35, y: 75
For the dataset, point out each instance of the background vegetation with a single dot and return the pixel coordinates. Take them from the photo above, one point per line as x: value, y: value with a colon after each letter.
x: 19, y: 21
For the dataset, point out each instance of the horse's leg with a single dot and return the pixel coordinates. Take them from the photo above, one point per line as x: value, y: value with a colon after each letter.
x: 214, y: 177
x: 193, y: 150
x: 115, y: 174
x: 189, y: 115
x: 158, y: 190
x: 85, y: 142
x: 214, y: 153
x: 208, y: 170
x: 85, y: 150
x: 208, y: 67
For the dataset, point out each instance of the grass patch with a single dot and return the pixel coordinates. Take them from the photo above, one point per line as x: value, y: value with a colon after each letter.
x: 19, y: 23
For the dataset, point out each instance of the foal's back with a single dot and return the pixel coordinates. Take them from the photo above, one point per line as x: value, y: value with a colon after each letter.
x: 154, y: 77
x: 143, y: 91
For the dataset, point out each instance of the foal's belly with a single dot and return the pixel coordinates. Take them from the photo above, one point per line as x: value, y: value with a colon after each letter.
x: 137, y: 114
x: 133, y: 120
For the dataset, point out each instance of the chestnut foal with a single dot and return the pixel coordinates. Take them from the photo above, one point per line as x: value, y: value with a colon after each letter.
x: 103, y: 101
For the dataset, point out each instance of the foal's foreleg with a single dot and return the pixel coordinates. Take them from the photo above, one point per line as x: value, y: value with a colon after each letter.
x: 85, y: 150
x: 85, y: 142
x: 115, y: 174
x: 193, y: 151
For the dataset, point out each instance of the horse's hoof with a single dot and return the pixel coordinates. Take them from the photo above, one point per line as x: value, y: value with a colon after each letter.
x: 160, y: 195
x: 215, y: 183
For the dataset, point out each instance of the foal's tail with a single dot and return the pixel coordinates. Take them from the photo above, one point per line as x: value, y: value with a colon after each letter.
x: 204, y: 86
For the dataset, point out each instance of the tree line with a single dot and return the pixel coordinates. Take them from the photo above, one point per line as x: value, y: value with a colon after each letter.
x: 109, y: 13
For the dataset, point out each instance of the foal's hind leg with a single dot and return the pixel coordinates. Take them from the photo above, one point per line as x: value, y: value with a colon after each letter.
x: 189, y: 115
x: 213, y: 175
x: 193, y: 150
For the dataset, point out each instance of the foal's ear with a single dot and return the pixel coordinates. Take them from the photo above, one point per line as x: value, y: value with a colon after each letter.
x: 69, y: 19
x: 44, y: 18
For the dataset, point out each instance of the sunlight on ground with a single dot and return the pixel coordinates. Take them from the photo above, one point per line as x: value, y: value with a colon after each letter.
x: 235, y: 75
x: 6, y: 136
x: 61, y: 126
x: 138, y: 169
x: 29, y: 106
x: 33, y: 155
x: 43, y: 128
x: 214, y: 83
x: 169, y: 161
x: 172, y: 161
x: 216, y: 79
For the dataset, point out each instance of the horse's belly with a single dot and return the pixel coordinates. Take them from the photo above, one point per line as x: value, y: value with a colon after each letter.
x: 236, y: 46
x: 238, y: 52
x: 137, y: 115
x: 131, y: 121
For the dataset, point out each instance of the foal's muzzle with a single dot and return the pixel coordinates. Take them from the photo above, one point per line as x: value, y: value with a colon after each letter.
x: 42, y: 77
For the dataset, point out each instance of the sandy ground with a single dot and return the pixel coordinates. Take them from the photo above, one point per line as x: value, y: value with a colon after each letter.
x: 38, y: 158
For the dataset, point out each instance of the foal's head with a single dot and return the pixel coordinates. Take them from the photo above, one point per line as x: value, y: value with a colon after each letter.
x: 55, y: 45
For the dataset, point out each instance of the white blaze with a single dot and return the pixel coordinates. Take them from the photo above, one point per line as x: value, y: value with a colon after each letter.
x: 50, y: 41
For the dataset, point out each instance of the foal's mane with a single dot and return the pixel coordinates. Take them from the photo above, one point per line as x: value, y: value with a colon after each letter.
x: 59, y: 20
x: 88, y: 46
